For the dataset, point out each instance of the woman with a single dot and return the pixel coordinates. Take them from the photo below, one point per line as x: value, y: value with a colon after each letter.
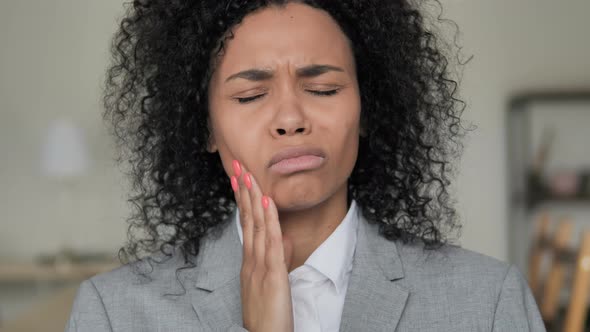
x: 335, y: 123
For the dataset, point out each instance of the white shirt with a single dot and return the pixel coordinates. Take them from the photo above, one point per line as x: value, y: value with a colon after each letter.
x: 318, y: 287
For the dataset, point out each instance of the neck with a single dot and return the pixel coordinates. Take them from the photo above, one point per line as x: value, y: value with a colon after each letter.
x: 307, y: 229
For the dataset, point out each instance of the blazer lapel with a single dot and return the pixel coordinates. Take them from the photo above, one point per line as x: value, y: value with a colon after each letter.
x: 217, y: 300
x: 374, y: 300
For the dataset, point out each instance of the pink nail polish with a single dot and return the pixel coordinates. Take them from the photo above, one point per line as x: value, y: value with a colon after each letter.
x: 237, y: 168
x: 234, y: 183
x: 265, y: 202
x: 248, y: 181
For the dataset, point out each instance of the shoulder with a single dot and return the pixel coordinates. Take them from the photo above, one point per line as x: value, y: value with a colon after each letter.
x: 458, y: 277
x: 153, y: 274
x: 453, y: 263
x: 468, y: 288
x: 132, y: 296
x: 158, y: 275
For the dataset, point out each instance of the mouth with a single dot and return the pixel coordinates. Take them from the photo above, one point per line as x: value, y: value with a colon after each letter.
x: 296, y: 159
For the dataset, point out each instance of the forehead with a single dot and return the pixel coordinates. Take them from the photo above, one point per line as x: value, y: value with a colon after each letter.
x: 296, y: 35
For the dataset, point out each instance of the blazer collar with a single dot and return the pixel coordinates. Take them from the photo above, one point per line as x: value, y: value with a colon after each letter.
x: 374, y: 301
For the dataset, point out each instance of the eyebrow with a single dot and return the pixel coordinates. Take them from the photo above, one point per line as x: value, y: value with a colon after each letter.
x: 263, y: 74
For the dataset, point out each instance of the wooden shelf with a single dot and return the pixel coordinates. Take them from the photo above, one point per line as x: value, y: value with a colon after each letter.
x: 564, y: 199
x: 27, y: 272
x: 538, y: 193
x: 538, y: 199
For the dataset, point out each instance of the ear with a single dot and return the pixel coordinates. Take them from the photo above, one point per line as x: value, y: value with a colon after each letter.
x: 211, y: 144
x: 363, y: 127
x: 362, y: 131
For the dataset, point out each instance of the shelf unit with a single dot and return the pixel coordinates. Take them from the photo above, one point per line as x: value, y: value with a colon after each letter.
x: 523, y: 199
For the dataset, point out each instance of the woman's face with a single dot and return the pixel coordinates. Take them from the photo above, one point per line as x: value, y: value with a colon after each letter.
x: 265, y: 96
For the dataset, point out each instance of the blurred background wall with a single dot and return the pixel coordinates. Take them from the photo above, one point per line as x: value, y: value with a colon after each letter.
x: 51, y: 67
x: 52, y: 60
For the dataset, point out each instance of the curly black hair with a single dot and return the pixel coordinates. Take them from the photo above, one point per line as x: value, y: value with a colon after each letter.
x: 156, y: 103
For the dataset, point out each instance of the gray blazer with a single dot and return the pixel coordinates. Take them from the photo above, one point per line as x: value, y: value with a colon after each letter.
x: 393, y: 287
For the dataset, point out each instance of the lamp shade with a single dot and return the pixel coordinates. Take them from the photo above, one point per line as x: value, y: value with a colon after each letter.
x: 64, y: 150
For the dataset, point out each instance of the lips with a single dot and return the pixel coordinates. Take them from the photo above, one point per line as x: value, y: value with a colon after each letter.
x: 295, y: 152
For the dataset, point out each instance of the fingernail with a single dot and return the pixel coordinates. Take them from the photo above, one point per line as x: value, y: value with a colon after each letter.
x: 237, y: 168
x: 265, y: 202
x: 248, y: 181
x: 234, y: 183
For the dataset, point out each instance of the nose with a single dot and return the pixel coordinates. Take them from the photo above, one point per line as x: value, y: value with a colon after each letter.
x: 290, y: 119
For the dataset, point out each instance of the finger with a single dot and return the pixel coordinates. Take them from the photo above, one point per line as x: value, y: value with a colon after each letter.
x: 246, y: 227
x: 235, y: 184
x: 275, y: 258
x: 258, y: 217
x: 258, y: 227
x: 237, y: 171
x: 247, y: 223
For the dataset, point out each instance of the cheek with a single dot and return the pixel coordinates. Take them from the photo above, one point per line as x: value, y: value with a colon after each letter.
x: 344, y: 135
x: 237, y: 138
x: 348, y: 151
x: 345, y: 147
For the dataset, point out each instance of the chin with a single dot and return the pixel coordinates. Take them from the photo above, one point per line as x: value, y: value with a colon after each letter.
x: 298, y: 199
x: 294, y: 206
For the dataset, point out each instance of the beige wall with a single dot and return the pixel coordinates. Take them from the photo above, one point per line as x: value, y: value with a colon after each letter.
x: 51, y: 64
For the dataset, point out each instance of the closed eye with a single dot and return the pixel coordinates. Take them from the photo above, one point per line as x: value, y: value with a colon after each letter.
x: 324, y: 93
x: 246, y: 100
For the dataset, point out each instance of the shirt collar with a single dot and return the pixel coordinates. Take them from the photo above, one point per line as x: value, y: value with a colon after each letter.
x: 333, y: 258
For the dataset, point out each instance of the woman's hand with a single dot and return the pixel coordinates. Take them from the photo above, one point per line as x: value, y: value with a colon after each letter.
x: 264, y: 281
